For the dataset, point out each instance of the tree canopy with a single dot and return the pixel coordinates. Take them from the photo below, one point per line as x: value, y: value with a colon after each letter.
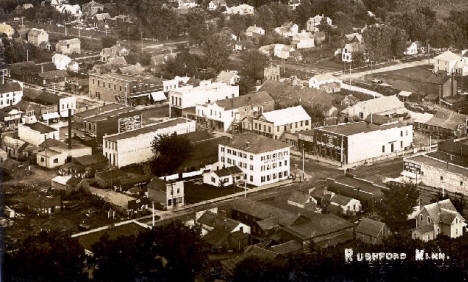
x: 170, y: 153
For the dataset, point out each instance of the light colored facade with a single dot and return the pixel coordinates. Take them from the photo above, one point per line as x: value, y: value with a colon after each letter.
x: 283, y: 51
x: 254, y: 30
x: 438, y: 173
x: 242, y: 9
x: 223, y: 177
x: 11, y: 93
x: 287, y: 29
x: 322, y: 79
x: 169, y: 195
x: 61, y: 61
x: 262, y: 160
x: 7, y: 29
x: 50, y: 158
x: 386, y: 105
x: 357, y: 142
x: 68, y: 47
x: 313, y: 23
x: 208, y: 92
x: 411, y: 49
x: 438, y: 218
x: 38, y: 37
x: 303, y: 40
x: 275, y: 123
x: 347, y: 206
x: 36, y: 133
x: 66, y: 103
x: 446, y: 62
x: 133, y: 147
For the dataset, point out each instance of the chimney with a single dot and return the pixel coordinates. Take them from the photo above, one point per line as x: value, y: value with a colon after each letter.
x: 69, y: 129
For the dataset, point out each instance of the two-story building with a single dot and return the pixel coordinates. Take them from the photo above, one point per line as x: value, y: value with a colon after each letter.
x: 134, y: 147
x: 11, y: 93
x: 275, y: 123
x: 263, y: 160
x: 352, y: 143
x: 39, y: 38
x: 438, y: 218
x: 166, y: 194
x: 69, y: 46
x: 188, y: 97
x: 313, y: 23
x: 37, y: 133
x: 222, y: 114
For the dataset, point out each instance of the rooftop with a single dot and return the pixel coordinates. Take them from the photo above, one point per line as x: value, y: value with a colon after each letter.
x: 228, y: 171
x: 370, y: 227
x: 352, y: 128
x: 448, y: 120
x: 42, y: 128
x: 256, y: 144
x: 9, y: 87
x: 287, y: 115
x: 252, y: 99
x: 146, y: 129
x: 98, y: 110
x: 441, y: 164
x: 381, y: 105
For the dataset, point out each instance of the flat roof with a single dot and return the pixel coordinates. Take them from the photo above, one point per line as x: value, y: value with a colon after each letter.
x: 352, y: 128
x: 106, y: 115
x: 146, y: 129
x: 100, y: 109
x: 440, y: 164
x: 42, y: 128
x: 254, y: 143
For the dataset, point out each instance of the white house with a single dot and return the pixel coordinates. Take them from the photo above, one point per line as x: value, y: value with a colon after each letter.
x: 168, y: 194
x: 448, y: 62
x: 73, y: 10
x: 386, y: 106
x: 228, y: 77
x: 242, y: 9
x: 303, y: 40
x: 36, y: 133
x: 283, y: 51
x: 223, y: 177
x: 438, y: 218
x: 287, y: 29
x: 313, y: 23
x: 216, y: 4
x: 262, y: 159
x: 346, y: 205
x: 321, y: 79
x: 7, y: 29
x: 63, y: 62
x: 254, y: 30
x: 411, y: 49
x: 207, y: 92
x: 134, y: 147
x: 11, y: 93
x: 174, y: 83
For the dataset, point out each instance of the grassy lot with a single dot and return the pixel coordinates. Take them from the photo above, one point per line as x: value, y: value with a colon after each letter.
x: 195, y: 193
x: 416, y: 79
x: 204, y: 152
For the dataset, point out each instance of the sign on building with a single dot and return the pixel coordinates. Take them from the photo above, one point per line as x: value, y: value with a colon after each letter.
x: 130, y: 123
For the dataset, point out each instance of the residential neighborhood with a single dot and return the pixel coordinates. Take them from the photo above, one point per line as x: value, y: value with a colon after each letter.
x: 234, y: 140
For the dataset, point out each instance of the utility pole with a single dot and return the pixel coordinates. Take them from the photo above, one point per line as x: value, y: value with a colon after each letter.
x: 153, y: 213
x: 245, y: 186
x: 141, y: 36
x: 303, y: 164
x: 27, y: 54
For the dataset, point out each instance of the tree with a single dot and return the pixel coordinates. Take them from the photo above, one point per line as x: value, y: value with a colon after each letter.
x: 108, y: 41
x: 170, y: 153
x: 46, y: 257
x: 217, y: 49
x: 253, y: 64
x: 398, y: 203
x: 256, y: 269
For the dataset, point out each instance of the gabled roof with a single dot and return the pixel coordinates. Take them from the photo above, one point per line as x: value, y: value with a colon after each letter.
x: 449, y: 120
x: 255, y: 143
x: 286, y: 248
x: 287, y: 116
x: 340, y: 199
x: 253, y: 99
x: 298, y: 197
x: 443, y: 211
x: 370, y: 227
x: 448, y: 56
x: 232, y: 170
x: 226, y: 76
x: 9, y: 87
x: 42, y: 128
x: 378, y: 105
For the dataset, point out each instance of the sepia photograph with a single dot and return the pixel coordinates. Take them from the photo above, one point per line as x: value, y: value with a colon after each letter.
x: 233, y: 140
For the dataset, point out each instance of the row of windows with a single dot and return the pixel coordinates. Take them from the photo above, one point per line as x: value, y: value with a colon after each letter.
x: 274, y: 155
x: 235, y: 153
x: 176, y: 101
x: 273, y: 176
x: 108, y: 85
x: 273, y: 165
x: 110, y: 145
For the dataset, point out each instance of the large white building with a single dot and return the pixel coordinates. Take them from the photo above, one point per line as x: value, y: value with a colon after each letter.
x: 36, y: 133
x: 132, y: 147
x: 207, y: 92
x: 262, y: 159
x: 11, y: 93
x: 357, y: 142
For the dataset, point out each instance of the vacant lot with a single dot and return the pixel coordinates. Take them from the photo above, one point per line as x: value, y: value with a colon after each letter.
x: 195, y: 193
x: 204, y: 152
x: 416, y: 79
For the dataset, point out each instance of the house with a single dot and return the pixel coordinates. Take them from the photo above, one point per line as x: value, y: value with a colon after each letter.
x: 100, y: 20
x: 54, y: 153
x: 326, y: 82
x: 11, y: 93
x: 288, y: 29
x: 367, y: 192
x: 446, y: 62
x: 112, y: 52
x: 254, y: 30
x: 63, y: 62
x: 16, y: 149
x: 42, y: 205
x: 227, y: 114
x: 36, y: 133
x: 313, y: 23
x: 216, y: 4
x: 262, y: 160
x: 67, y: 183
x: 371, y: 231
x: 359, y: 142
x: 275, y: 123
x: 299, y: 199
x: 7, y: 29
x: 303, y: 40
x: 208, y: 220
x: 59, y: 77
x: 385, y: 106
x: 283, y: 51
x: 242, y: 9
x: 167, y: 194
x: 344, y: 205
x: 293, y: 4
x: 91, y: 8
x: 443, y: 124
x: 350, y: 49
x: 39, y: 38
x: 228, y: 77
x: 440, y: 218
x: 207, y: 92
x: 412, y: 48
x: 72, y: 10
x: 55, y: 106
x: 132, y: 147
x: 436, y: 171
x: 272, y: 72
x: 68, y: 47
x: 223, y: 177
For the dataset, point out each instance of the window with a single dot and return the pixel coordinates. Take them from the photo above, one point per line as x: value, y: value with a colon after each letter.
x: 461, y: 183
x: 285, y: 162
x: 42, y: 159
x: 441, y: 178
x: 234, y: 153
x: 280, y: 175
x: 262, y: 179
x: 222, y: 149
x: 401, y: 133
x: 228, y: 160
x: 428, y: 220
x: 222, y: 159
x: 274, y: 175
x: 169, y: 202
x: 213, y: 180
x: 285, y: 173
x: 420, y: 217
x: 268, y: 177
x: 306, y: 122
x: 401, y: 144
x: 55, y: 161
x: 228, y: 151
x: 251, y: 157
x: 383, y: 149
x: 251, y: 178
x: 262, y: 158
x: 251, y: 167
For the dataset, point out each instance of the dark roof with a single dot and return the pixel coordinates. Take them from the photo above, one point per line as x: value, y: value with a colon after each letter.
x: 340, y: 199
x: 47, y: 98
x: 257, y: 98
x: 9, y: 86
x: 358, y: 184
x: 106, y: 115
x: 358, y: 127
x: 53, y: 74
x: 42, y: 128
x: 90, y: 160
x: 447, y: 120
x: 298, y: 197
x: 157, y: 184
x: 37, y: 200
x: 98, y: 110
x: 370, y: 227
x: 228, y: 171
x: 286, y: 248
x: 128, y: 229
x: 254, y: 143
x: 217, y: 236
x: 146, y: 129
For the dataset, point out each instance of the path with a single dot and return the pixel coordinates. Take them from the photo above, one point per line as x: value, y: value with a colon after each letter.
x: 356, y: 75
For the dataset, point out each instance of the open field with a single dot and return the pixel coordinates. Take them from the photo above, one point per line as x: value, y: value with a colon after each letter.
x: 195, y: 193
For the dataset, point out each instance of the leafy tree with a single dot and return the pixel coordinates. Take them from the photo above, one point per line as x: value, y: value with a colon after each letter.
x: 217, y: 49
x: 108, y: 41
x: 253, y: 63
x: 398, y: 202
x: 46, y: 257
x: 170, y: 153
x: 256, y: 269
